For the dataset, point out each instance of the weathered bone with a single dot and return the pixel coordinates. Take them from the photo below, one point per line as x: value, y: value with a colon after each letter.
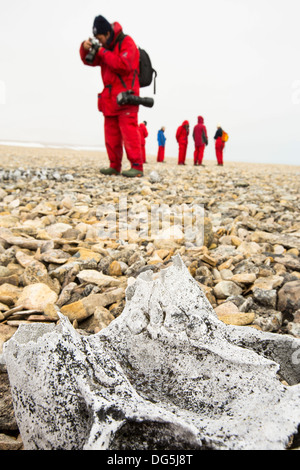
x: 166, y: 374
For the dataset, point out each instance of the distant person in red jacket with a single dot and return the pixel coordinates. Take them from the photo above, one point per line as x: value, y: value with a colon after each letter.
x: 220, y: 144
x: 118, y: 58
x: 182, y: 139
x: 200, y: 139
x: 144, y: 134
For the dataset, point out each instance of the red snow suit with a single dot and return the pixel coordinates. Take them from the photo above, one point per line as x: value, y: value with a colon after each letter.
x: 143, y: 133
x: 160, y: 154
x: 182, y: 139
x: 219, y: 150
x: 220, y: 144
x: 198, y: 132
x: 119, y: 65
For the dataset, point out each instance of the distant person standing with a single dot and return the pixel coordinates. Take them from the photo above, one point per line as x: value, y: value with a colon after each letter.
x: 200, y: 139
x: 182, y: 135
x: 161, y: 139
x: 144, y: 134
x: 220, y: 137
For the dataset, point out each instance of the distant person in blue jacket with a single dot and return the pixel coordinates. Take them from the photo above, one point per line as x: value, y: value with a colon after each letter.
x: 161, y: 144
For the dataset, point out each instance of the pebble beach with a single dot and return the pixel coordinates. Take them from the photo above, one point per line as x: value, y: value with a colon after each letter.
x: 68, y: 244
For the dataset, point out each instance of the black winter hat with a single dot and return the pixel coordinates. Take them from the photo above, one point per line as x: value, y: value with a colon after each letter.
x: 101, y: 25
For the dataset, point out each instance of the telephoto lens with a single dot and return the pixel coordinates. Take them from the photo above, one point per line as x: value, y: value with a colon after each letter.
x: 148, y: 102
x: 127, y: 97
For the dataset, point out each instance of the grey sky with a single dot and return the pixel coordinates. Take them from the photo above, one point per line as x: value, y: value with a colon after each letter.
x: 235, y: 62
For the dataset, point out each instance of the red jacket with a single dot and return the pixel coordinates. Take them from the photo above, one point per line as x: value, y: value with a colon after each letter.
x: 144, y: 132
x: 199, y: 129
x: 119, y: 66
x: 182, y: 133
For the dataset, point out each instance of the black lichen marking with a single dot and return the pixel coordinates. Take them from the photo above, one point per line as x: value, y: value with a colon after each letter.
x: 152, y: 435
x: 111, y: 413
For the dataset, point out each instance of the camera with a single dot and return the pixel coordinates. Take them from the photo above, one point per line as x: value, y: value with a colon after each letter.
x: 93, y: 51
x: 127, y: 97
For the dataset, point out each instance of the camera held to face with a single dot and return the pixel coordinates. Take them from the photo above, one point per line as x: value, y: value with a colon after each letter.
x: 127, y: 97
x: 93, y: 51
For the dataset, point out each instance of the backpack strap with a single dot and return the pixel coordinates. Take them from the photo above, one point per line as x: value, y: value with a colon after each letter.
x: 135, y: 73
x: 119, y: 41
x: 154, y: 82
x: 120, y: 38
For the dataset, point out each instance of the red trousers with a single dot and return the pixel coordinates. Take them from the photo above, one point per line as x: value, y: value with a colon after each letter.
x: 123, y: 130
x: 161, y: 153
x: 182, y: 153
x: 219, y: 150
x: 143, y: 151
x: 198, y: 154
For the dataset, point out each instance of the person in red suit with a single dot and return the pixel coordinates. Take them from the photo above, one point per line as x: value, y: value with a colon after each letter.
x: 219, y: 146
x: 200, y: 139
x: 182, y: 134
x: 144, y: 134
x: 118, y: 59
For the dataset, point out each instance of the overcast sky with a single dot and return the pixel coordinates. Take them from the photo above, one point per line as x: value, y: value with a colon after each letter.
x: 234, y: 62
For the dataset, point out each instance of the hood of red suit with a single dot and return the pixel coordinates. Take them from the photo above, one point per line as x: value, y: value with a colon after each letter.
x: 117, y: 29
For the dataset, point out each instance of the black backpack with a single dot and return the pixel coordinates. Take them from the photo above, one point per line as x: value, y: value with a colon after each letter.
x: 146, y: 69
